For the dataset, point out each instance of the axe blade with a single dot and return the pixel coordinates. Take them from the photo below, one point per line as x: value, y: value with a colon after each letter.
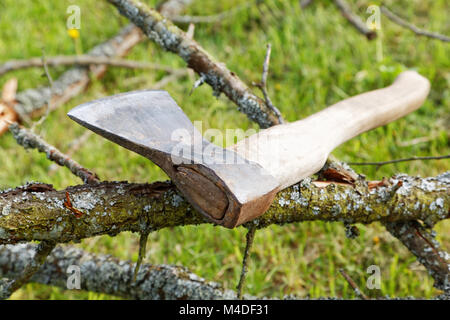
x: 219, y: 183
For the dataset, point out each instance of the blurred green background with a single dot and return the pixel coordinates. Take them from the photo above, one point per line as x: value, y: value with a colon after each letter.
x: 318, y: 58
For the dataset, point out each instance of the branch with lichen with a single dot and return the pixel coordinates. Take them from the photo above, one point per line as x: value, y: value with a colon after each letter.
x: 106, y: 274
x: 423, y: 244
x: 8, y: 287
x: 37, y: 211
x: 30, y: 140
x: 171, y: 38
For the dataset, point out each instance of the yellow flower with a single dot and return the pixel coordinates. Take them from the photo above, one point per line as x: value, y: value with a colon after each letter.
x: 373, y: 26
x: 73, y: 33
x: 277, y: 86
x: 376, y: 240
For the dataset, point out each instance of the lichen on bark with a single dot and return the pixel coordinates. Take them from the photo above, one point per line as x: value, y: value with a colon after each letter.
x: 37, y: 213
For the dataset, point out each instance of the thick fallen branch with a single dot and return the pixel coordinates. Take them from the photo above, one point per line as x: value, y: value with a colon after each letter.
x: 82, y: 60
x: 105, y: 274
x: 420, y: 32
x: 8, y: 287
x: 37, y: 212
x: 171, y: 38
x: 354, y: 19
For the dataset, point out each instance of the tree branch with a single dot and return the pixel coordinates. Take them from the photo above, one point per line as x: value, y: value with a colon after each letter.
x: 81, y: 60
x: 352, y: 284
x: 37, y: 212
x: 222, y: 80
x: 37, y: 260
x: 354, y: 19
x: 248, y: 247
x: 420, y: 32
x: 382, y: 163
x: 28, y: 139
x: 427, y: 250
x: 32, y: 102
x: 105, y: 274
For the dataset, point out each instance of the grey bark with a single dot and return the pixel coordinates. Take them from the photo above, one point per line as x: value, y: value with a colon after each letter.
x: 106, y: 274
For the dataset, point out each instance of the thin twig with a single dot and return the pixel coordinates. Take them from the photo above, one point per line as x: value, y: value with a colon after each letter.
x: 382, y: 163
x: 31, y: 103
x: 142, y: 251
x: 190, y: 31
x: 263, y: 85
x: 81, y: 60
x: 352, y: 284
x: 250, y: 237
x: 29, y: 139
x: 215, y: 73
x: 420, y: 32
x: 42, y: 251
x: 354, y: 19
x: 74, y: 146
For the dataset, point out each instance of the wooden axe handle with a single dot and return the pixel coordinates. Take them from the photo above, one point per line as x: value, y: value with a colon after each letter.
x: 293, y: 151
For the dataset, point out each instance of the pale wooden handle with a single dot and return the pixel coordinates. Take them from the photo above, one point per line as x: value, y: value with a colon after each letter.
x: 297, y: 150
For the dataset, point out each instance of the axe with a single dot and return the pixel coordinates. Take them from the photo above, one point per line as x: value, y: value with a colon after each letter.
x: 234, y: 185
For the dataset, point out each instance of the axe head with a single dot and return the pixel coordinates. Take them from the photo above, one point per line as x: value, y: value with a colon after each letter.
x: 223, y: 186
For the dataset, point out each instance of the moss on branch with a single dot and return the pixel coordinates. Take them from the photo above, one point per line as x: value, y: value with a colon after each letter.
x: 37, y: 211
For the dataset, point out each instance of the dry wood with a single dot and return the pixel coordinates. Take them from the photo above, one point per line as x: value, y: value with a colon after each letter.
x: 42, y: 251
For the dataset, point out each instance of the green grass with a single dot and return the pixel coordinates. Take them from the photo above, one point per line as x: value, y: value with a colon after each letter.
x: 317, y: 59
